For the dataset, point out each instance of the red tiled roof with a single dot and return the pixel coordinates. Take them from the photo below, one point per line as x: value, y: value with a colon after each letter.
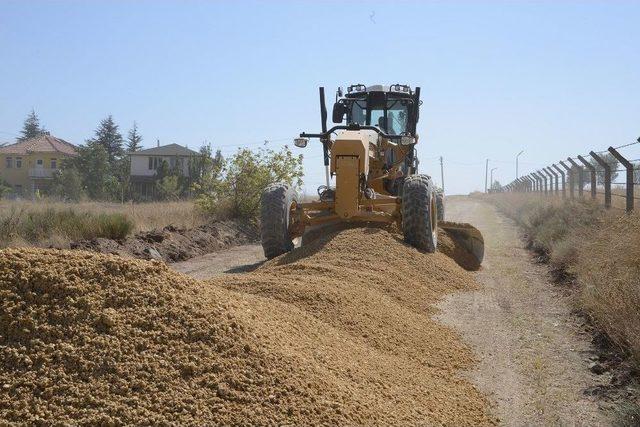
x: 40, y: 144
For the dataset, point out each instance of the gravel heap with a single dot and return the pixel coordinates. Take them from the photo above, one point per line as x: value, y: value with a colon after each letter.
x: 339, y: 332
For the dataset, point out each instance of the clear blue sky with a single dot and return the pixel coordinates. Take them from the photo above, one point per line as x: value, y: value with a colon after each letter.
x: 551, y: 78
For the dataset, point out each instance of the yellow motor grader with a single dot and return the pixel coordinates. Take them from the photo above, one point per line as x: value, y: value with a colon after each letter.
x: 371, y: 154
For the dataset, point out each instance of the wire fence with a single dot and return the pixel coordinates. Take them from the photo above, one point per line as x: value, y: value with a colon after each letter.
x: 607, y: 176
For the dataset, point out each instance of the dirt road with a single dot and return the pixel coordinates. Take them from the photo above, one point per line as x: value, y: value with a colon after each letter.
x: 532, y: 353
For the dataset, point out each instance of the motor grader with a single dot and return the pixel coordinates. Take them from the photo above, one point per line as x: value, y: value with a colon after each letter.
x: 371, y: 155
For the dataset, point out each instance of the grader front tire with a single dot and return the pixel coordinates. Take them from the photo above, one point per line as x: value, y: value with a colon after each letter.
x: 419, y: 213
x: 276, y: 204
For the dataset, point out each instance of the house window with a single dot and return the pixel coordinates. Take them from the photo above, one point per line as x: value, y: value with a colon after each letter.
x: 39, y: 162
x: 18, y: 162
x: 154, y: 162
x: 54, y: 163
x: 9, y: 162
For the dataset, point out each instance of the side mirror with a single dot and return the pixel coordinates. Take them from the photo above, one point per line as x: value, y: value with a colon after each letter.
x: 339, y: 111
x: 300, y: 142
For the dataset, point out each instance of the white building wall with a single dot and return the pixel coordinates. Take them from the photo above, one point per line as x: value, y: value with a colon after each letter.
x: 140, y: 165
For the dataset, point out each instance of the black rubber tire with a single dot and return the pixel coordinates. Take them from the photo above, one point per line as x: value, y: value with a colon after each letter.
x: 419, y: 220
x: 275, y: 205
x: 440, y: 205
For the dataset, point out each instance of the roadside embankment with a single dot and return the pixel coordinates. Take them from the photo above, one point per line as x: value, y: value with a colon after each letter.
x: 593, y: 249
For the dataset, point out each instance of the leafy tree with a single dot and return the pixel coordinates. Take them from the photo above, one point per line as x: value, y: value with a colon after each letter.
x: 134, y: 139
x: 496, y: 186
x: 169, y: 187
x: 5, y: 189
x: 205, y: 169
x: 67, y: 184
x: 92, y: 163
x: 108, y: 136
x: 613, y: 164
x: 248, y: 173
x: 31, y: 127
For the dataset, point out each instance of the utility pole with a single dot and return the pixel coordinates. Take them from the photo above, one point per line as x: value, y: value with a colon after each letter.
x: 486, y: 175
x: 518, y: 155
x: 442, y: 174
x: 491, y: 182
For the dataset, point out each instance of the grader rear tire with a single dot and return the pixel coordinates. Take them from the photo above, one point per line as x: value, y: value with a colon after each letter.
x: 419, y: 213
x: 276, y: 204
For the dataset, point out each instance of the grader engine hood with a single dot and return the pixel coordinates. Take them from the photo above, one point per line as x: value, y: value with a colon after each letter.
x: 350, y: 161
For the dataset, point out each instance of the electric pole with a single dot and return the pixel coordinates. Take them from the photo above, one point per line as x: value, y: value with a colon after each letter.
x: 442, y: 174
x: 486, y: 175
x: 518, y: 155
x: 491, y: 183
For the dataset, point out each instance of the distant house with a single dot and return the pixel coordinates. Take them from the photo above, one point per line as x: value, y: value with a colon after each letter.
x: 144, y: 164
x: 28, y: 166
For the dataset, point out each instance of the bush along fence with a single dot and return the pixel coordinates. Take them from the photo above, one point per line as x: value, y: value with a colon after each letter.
x: 597, y: 170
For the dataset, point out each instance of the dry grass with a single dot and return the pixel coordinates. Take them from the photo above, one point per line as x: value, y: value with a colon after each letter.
x: 598, y: 248
x: 48, y: 223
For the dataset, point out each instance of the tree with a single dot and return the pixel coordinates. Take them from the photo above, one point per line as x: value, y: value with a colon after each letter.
x: 31, y: 127
x: 134, y: 139
x: 248, y: 174
x: 5, y: 189
x: 67, y: 184
x: 613, y: 164
x: 169, y: 187
x: 92, y: 163
x: 108, y: 136
x: 495, y: 186
x: 205, y: 167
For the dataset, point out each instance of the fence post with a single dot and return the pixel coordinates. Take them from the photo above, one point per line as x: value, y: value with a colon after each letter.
x: 592, y: 172
x: 580, y: 176
x: 528, y: 184
x: 544, y: 181
x: 552, y: 175
x: 536, y: 182
x: 571, y: 178
x: 546, y: 174
x: 532, y: 183
x: 627, y: 164
x: 607, y: 178
x: 564, y: 185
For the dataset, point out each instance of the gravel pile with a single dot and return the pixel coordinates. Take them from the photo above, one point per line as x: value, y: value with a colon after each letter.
x: 339, y: 332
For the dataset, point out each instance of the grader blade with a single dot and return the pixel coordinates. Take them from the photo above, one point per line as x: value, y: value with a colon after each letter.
x: 467, y: 236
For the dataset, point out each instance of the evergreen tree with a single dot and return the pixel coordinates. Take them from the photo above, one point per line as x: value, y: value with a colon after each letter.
x: 134, y: 139
x: 108, y: 136
x: 93, y: 166
x: 31, y: 127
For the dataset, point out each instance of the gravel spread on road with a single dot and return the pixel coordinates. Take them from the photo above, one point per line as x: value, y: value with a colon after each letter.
x: 338, y: 332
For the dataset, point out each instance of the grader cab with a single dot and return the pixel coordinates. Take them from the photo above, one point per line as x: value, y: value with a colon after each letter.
x: 370, y: 151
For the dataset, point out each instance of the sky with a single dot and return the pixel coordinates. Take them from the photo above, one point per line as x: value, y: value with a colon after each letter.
x: 551, y: 78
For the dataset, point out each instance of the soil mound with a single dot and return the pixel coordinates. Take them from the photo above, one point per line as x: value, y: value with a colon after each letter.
x: 172, y: 244
x: 355, y: 310
x: 94, y: 339
x: 338, y: 332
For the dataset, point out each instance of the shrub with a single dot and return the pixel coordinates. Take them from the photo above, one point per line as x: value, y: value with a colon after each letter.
x: 234, y: 191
